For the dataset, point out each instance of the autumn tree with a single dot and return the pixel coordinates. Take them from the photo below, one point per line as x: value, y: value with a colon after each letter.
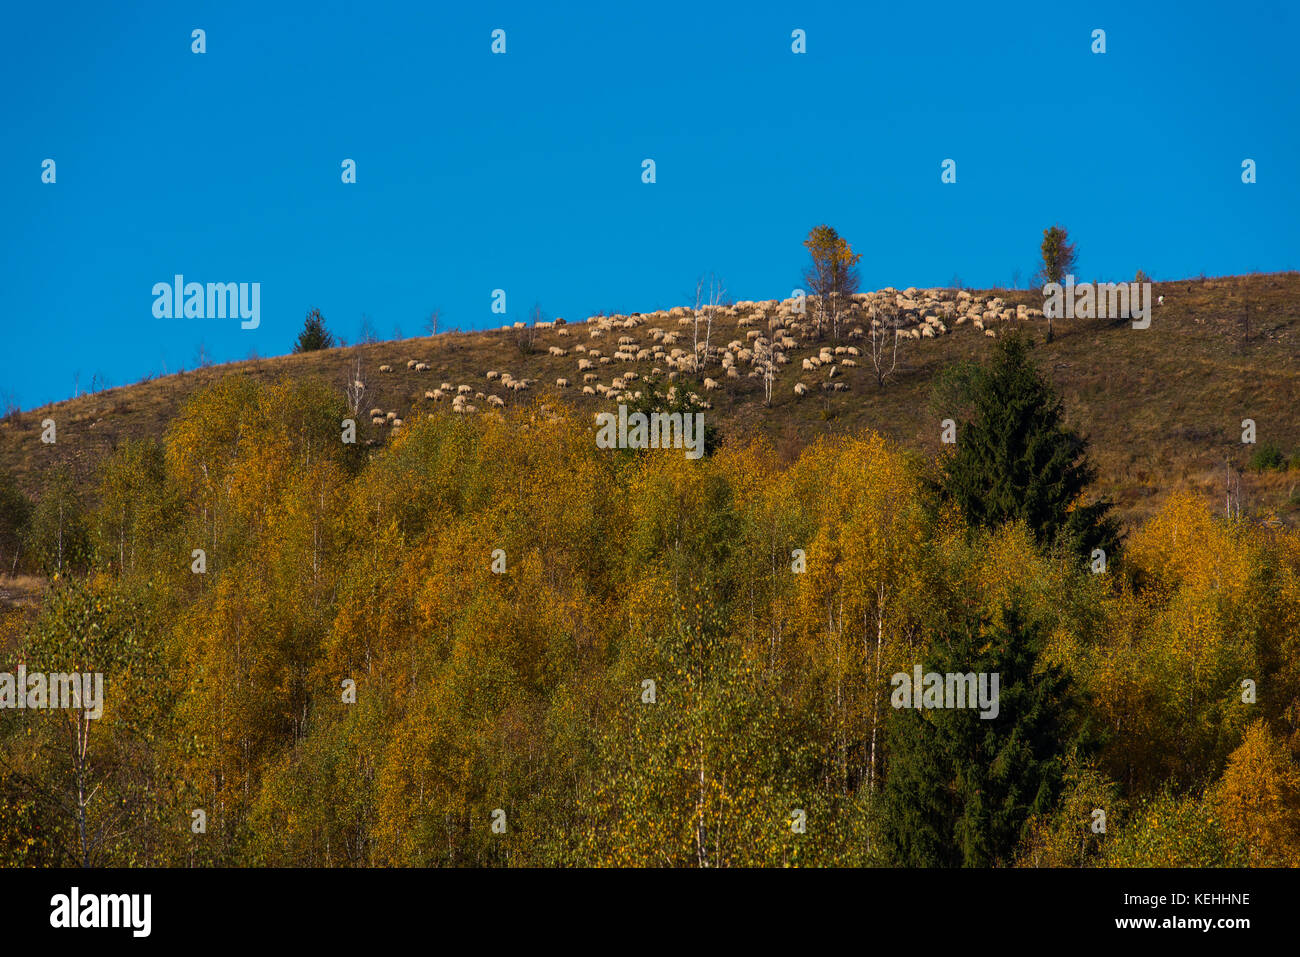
x: 831, y: 275
x: 1258, y: 799
x: 1058, y: 261
x: 133, y: 521
x: 15, y: 513
x: 58, y: 535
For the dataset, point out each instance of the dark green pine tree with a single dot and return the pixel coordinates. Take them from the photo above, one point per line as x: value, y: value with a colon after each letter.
x: 1016, y: 460
x: 959, y: 789
x: 314, y: 335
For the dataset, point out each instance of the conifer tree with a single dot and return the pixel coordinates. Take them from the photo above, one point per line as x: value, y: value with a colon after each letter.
x: 314, y: 335
x: 961, y: 788
x: 1016, y: 460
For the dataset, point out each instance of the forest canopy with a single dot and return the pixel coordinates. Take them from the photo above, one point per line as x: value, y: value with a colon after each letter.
x: 491, y: 642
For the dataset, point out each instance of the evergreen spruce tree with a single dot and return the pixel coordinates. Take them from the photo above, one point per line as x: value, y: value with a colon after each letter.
x: 1016, y: 460
x: 960, y: 788
x: 314, y: 335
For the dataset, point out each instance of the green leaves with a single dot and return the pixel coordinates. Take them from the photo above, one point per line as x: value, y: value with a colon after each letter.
x: 1015, y: 460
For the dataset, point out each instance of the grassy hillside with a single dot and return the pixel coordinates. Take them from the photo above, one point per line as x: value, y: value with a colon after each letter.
x: 1162, y: 406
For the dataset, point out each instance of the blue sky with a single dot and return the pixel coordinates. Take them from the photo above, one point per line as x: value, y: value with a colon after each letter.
x: 523, y: 171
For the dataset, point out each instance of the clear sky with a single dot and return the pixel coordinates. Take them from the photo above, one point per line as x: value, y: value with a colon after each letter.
x: 523, y: 171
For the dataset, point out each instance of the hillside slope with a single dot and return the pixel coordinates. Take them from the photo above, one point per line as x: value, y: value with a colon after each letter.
x: 1162, y: 406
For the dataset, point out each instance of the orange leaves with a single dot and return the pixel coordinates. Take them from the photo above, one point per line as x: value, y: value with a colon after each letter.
x: 1258, y: 799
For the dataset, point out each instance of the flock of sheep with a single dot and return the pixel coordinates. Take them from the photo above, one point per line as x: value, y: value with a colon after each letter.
x: 763, y: 334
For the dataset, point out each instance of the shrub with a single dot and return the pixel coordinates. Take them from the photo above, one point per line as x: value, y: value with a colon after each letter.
x: 1268, y: 457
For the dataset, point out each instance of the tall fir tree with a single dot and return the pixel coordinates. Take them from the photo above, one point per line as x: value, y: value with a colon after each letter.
x: 314, y: 335
x: 960, y: 788
x: 1015, y: 459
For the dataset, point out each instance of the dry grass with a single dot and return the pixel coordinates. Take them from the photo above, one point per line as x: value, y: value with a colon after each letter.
x: 1162, y: 406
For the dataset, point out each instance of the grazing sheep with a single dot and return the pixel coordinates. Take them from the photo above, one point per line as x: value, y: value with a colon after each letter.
x: 421, y: 367
x: 833, y: 373
x: 446, y: 387
x: 397, y: 423
x: 493, y: 374
x: 557, y: 351
x: 496, y: 400
x: 561, y: 383
x: 385, y: 368
x: 733, y: 372
x: 391, y: 415
x: 430, y: 394
x: 464, y: 389
x: 410, y: 363
x: 800, y: 389
x: 378, y: 420
x: 588, y: 390
x: 848, y: 362
x: 376, y: 413
x: 711, y: 384
x: 990, y: 333
x: 589, y: 377
x: 584, y: 364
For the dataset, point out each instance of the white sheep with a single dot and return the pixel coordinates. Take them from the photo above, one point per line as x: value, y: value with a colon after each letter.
x: 800, y: 389
x: 385, y: 368
x: 561, y: 383
x: 711, y: 384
